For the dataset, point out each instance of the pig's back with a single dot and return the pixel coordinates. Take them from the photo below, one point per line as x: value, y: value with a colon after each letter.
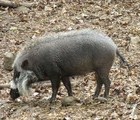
x: 82, y: 39
x: 84, y: 36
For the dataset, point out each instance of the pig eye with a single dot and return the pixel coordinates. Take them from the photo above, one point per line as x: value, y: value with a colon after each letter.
x: 16, y: 74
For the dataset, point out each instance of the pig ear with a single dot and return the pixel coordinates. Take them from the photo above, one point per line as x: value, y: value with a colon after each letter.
x: 24, y: 64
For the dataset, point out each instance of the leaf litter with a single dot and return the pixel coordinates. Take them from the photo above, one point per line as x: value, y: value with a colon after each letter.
x: 118, y: 19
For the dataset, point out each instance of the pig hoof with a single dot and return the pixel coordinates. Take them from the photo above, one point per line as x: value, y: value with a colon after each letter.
x: 101, y: 99
x: 52, y: 102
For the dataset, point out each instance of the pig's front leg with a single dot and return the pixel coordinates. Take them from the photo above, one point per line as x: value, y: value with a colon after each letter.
x: 55, y: 86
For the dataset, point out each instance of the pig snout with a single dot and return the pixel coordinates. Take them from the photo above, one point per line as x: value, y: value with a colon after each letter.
x: 14, y: 94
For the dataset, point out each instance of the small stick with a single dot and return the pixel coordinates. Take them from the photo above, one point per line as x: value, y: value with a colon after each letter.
x: 47, y: 84
x: 7, y: 85
x: 7, y: 3
x: 2, y: 86
x: 133, y: 116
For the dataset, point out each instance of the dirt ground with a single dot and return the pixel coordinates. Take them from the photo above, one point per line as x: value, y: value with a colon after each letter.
x: 119, y: 19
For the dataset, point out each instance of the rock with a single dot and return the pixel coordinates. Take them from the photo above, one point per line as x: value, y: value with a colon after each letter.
x: 8, y: 61
x: 12, y: 28
x: 47, y: 8
x: 138, y: 91
x: 69, y: 101
x: 135, y: 40
x: 103, y: 17
x: 114, y: 115
x: 135, y: 30
x: 131, y: 98
x: 23, y: 9
x: 101, y: 99
x: 67, y: 118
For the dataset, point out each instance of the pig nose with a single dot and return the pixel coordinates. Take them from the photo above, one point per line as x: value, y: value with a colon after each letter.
x: 14, y: 94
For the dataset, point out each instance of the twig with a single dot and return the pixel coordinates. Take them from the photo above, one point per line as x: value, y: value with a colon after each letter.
x: 47, y: 84
x: 133, y: 115
x: 7, y: 3
x: 7, y: 85
x: 2, y: 86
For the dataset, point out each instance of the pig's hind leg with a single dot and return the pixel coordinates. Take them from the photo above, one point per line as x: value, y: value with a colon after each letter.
x: 103, y: 77
x: 67, y: 84
x: 98, y: 87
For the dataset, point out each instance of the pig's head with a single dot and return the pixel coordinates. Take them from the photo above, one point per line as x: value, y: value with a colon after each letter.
x: 22, y: 79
